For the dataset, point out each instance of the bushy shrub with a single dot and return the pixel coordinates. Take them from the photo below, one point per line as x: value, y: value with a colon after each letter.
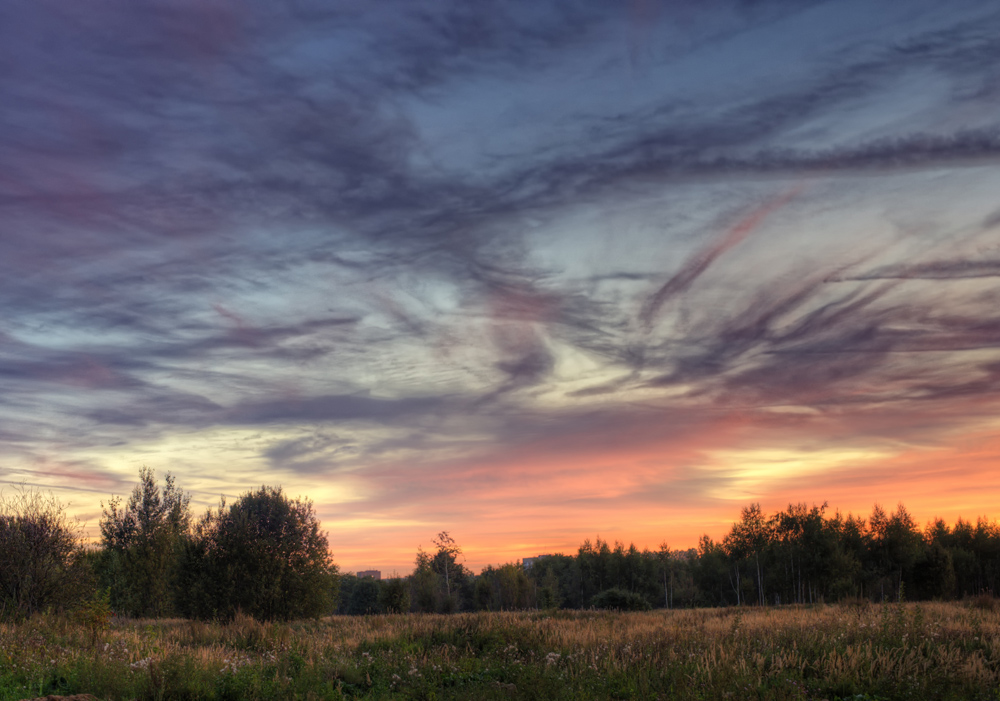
x: 264, y: 556
x: 41, y: 556
x: 620, y: 600
x: 984, y: 602
x: 503, y: 588
x: 548, y: 595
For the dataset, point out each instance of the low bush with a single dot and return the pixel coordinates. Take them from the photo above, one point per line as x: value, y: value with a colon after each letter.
x: 620, y: 600
x: 983, y: 602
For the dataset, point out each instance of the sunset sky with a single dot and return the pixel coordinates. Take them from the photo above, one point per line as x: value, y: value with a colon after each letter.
x: 529, y: 272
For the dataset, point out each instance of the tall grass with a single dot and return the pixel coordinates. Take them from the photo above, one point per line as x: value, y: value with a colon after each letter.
x: 889, y: 651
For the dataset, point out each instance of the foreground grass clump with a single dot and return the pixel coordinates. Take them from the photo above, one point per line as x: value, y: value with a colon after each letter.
x: 911, y: 651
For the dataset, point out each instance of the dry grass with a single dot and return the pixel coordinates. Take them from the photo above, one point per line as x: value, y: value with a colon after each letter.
x: 914, y: 651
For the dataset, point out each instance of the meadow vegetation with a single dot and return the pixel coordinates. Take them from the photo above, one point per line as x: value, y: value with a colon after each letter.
x: 850, y: 651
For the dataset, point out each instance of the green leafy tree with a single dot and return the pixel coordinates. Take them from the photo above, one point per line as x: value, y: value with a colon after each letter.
x: 265, y: 556
x: 549, y: 596
x: 395, y: 595
x: 683, y: 591
x: 514, y: 587
x: 987, y: 550
x: 365, y: 598
x: 852, y: 539
x: 345, y: 588
x: 425, y: 584
x: 665, y: 562
x: 483, y: 592
x: 142, y: 543
x: 934, y: 574
x: 960, y: 542
x: 747, y: 541
x: 445, y: 563
x: 895, y: 544
x: 712, y: 573
x: 561, y: 570
x: 879, y: 557
x: 440, y: 583
x: 508, y: 585
x: 804, y: 547
x: 588, y: 564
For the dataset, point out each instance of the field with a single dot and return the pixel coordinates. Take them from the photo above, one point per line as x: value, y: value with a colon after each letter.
x: 891, y: 651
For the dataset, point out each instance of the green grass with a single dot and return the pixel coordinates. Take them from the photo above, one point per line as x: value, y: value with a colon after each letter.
x: 926, y: 651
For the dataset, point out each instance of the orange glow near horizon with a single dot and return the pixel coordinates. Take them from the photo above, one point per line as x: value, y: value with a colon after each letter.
x: 551, y: 508
x: 638, y: 484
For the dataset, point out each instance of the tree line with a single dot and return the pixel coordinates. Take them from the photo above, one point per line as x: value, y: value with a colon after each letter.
x: 800, y: 555
x: 265, y: 555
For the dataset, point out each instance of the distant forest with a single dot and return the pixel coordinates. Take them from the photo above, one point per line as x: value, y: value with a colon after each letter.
x: 800, y: 555
x: 265, y: 555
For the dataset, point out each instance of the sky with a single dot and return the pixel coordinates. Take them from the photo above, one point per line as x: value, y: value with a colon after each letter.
x: 527, y: 272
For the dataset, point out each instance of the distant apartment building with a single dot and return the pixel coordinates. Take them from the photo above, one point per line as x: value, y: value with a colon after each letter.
x: 527, y: 562
x: 371, y: 574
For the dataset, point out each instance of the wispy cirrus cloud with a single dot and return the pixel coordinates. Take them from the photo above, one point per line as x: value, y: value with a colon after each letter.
x: 412, y: 246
